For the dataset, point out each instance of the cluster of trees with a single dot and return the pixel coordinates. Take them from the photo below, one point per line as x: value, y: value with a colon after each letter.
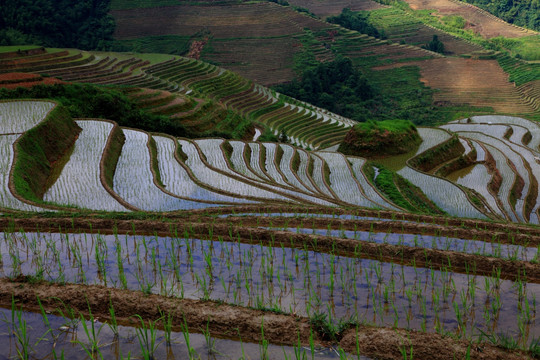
x: 357, y: 21
x: 84, y: 24
x: 519, y: 12
x: 336, y: 86
x: 435, y: 45
x: 90, y: 101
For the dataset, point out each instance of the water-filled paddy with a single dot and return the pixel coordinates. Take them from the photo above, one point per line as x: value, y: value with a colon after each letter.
x: 292, y: 280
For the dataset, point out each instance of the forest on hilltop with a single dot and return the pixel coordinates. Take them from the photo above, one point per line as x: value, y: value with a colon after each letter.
x: 83, y: 24
x: 519, y: 12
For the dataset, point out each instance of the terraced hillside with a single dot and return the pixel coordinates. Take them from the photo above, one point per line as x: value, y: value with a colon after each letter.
x: 402, y: 67
x: 118, y: 242
x: 480, y: 83
x: 199, y: 95
x: 268, y: 26
x: 231, y: 209
x: 127, y: 169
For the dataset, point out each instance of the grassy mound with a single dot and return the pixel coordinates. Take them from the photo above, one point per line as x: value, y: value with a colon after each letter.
x: 389, y: 137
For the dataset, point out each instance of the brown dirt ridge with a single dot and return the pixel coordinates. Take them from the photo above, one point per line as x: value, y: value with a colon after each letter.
x: 240, y: 322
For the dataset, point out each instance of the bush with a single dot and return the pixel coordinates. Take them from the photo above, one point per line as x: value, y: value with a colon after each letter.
x: 435, y: 45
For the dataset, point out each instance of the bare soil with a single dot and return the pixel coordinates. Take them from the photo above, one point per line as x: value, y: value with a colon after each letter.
x: 473, y: 82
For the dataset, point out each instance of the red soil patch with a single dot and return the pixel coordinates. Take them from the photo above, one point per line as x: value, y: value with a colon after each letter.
x: 478, y: 20
x: 196, y: 49
x: 15, y: 80
x: 17, y: 77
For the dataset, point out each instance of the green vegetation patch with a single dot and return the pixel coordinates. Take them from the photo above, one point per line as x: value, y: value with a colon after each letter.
x: 522, y: 13
x: 163, y: 44
x: 440, y: 154
x: 527, y: 48
x: 336, y: 86
x: 399, y: 190
x: 357, y: 21
x: 38, y: 150
x: 112, y: 154
x: 389, y: 137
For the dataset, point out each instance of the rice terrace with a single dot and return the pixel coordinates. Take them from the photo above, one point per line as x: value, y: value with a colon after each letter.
x: 300, y: 179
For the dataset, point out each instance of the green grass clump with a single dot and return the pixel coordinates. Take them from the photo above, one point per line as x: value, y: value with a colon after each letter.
x: 393, y: 126
x: 38, y: 150
x: 112, y: 154
x: 450, y: 149
x: 400, y: 191
x: 527, y: 48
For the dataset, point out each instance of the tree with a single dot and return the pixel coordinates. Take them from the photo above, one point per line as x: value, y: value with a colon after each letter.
x: 435, y: 45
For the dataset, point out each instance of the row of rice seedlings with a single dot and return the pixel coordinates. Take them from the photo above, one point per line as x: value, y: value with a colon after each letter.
x: 443, y: 193
x: 67, y: 334
x: 478, y: 179
x: 513, y: 155
x: 431, y: 137
x: 177, y: 180
x: 134, y: 181
x: 483, y: 248
x: 495, y: 130
x: 508, y: 178
x: 343, y: 183
x: 79, y: 183
x: 369, y: 190
x: 532, y: 126
x: 239, y: 163
x: 7, y: 200
x: 292, y: 280
x: 19, y: 116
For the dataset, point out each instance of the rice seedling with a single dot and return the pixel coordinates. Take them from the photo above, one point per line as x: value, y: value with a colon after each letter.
x: 147, y: 337
x: 92, y: 332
